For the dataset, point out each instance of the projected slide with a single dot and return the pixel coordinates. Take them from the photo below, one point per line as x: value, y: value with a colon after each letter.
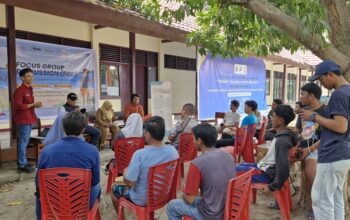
x: 222, y: 80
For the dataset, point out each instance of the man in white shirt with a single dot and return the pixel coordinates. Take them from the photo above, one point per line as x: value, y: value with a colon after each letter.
x: 231, y: 121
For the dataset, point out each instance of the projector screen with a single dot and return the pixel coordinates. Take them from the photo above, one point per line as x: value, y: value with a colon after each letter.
x: 221, y: 80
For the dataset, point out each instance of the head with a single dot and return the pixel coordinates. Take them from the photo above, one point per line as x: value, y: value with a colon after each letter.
x: 282, y: 116
x: 234, y: 105
x: 298, y: 107
x: 72, y: 99
x: 85, y: 71
x: 187, y: 110
x: 310, y: 92
x: 135, y: 99
x: 250, y: 106
x: 26, y: 76
x: 328, y: 73
x: 74, y: 123
x: 205, y: 136
x: 276, y: 102
x: 154, y: 129
x: 107, y: 105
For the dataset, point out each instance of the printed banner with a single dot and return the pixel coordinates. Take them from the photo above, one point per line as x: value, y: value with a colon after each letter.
x: 57, y: 71
x: 222, y: 80
x: 161, y: 103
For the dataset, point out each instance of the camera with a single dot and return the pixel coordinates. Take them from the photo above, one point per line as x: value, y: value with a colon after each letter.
x: 83, y: 110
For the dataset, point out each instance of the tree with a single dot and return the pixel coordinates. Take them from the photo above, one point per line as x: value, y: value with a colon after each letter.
x: 238, y: 27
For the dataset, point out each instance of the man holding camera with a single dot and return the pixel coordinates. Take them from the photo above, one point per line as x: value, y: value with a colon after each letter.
x: 72, y: 106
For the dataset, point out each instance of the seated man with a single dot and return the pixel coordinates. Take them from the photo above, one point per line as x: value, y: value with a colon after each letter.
x: 71, y: 106
x: 231, y: 121
x: 133, y: 107
x: 249, y: 108
x: 72, y: 152
x: 270, y: 132
x: 185, y: 125
x: 274, y: 167
x: 137, y: 173
x: 210, y: 173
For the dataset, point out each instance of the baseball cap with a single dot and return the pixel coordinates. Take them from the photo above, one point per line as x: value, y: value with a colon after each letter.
x: 72, y: 96
x: 323, y: 68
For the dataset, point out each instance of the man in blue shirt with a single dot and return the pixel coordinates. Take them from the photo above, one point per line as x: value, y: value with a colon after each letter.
x: 333, y: 161
x: 137, y: 174
x: 249, y: 108
x: 72, y: 152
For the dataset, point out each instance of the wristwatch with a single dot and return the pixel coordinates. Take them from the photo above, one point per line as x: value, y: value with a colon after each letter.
x: 312, y: 116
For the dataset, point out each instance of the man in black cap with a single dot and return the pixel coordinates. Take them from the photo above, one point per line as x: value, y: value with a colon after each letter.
x: 72, y: 106
x: 333, y: 161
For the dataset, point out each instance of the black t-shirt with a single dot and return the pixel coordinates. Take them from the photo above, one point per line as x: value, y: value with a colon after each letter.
x: 310, y: 131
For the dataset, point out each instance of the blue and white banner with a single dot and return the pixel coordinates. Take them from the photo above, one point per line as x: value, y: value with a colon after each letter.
x: 221, y: 80
x: 57, y: 70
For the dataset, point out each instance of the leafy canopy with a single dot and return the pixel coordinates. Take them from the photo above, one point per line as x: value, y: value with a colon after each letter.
x: 228, y: 28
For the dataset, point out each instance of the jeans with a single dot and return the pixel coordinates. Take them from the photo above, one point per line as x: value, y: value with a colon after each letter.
x: 95, y: 193
x: 94, y: 132
x: 327, y: 190
x: 257, y: 177
x: 23, y: 141
x: 178, y: 208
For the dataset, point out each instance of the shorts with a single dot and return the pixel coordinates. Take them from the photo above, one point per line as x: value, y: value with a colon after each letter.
x: 312, y: 155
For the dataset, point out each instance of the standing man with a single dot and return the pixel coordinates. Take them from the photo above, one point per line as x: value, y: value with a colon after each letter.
x: 333, y: 161
x: 24, y: 116
x: 133, y: 107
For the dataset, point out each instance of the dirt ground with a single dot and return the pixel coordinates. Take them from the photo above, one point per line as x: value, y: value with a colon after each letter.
x: 17, y: 201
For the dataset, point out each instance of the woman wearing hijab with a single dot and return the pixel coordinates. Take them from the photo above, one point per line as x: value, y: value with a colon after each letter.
x: 133, y: 127
x: 104, y: 121
x: 56, y: 131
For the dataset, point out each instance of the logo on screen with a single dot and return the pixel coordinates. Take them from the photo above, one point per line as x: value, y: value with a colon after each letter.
x: 240, y: 69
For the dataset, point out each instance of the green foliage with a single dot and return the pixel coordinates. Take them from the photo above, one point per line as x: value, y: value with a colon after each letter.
x: 227, y: 28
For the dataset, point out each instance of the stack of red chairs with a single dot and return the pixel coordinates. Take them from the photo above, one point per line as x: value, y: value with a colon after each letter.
x: 123, y: 151
x: 64, y: 194
x: 248, y: 151
x: 187, y: 150
x: 161, y: 189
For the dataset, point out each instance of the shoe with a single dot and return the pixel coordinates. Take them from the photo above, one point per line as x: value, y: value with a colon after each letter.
x: 28, y: 169
x: 274, y: 205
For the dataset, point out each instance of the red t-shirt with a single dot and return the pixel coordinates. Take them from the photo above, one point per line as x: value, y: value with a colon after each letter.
x: 22, y: 97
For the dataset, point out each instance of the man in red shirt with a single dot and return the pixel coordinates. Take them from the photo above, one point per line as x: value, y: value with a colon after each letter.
x: 133, y: 107
x: 210, y: 173
x: 24, y: 116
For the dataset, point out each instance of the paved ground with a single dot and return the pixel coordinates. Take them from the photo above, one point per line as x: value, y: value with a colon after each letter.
x: 17, y: 198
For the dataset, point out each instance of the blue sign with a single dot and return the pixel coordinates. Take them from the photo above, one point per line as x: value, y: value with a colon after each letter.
x: 221, y: 80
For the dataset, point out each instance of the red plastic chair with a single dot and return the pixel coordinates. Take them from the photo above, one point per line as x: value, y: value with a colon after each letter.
x: 247, y: 151
x: 64, y: 194
x: 187, y: 150
x: 237, y: 199
x: 161, y: 189
x: 240, y: 139
x: 123, y: 151
x: 282, y: 196
x: 261, y: 138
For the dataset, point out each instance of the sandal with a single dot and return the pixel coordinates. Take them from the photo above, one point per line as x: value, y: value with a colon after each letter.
x: 274, y: 205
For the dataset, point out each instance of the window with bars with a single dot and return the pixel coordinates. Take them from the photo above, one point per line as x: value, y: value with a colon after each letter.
x: 267, y: 82
x: 291, y: 88
x: 278, y: 85
x: 180, y: 63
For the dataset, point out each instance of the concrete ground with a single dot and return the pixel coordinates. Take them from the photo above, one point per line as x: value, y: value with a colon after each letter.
x: 17, y: 197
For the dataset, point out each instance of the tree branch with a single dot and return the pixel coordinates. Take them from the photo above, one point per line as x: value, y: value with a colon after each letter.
x: 339, y: 21
x: 291, y: 26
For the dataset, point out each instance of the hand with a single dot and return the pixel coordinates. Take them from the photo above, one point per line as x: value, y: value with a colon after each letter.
x: 38, y: 105
x: 266, y: 189
x: 305, y: 114
x: 77, y: 109
x: 305, y: 153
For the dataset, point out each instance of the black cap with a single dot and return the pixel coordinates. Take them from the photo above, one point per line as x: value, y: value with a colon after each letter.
x: 72, y: 96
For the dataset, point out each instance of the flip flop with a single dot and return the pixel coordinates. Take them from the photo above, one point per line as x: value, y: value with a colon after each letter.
x: 274, y: 205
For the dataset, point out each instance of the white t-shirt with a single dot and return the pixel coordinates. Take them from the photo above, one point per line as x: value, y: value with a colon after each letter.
x: 232, y: 118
